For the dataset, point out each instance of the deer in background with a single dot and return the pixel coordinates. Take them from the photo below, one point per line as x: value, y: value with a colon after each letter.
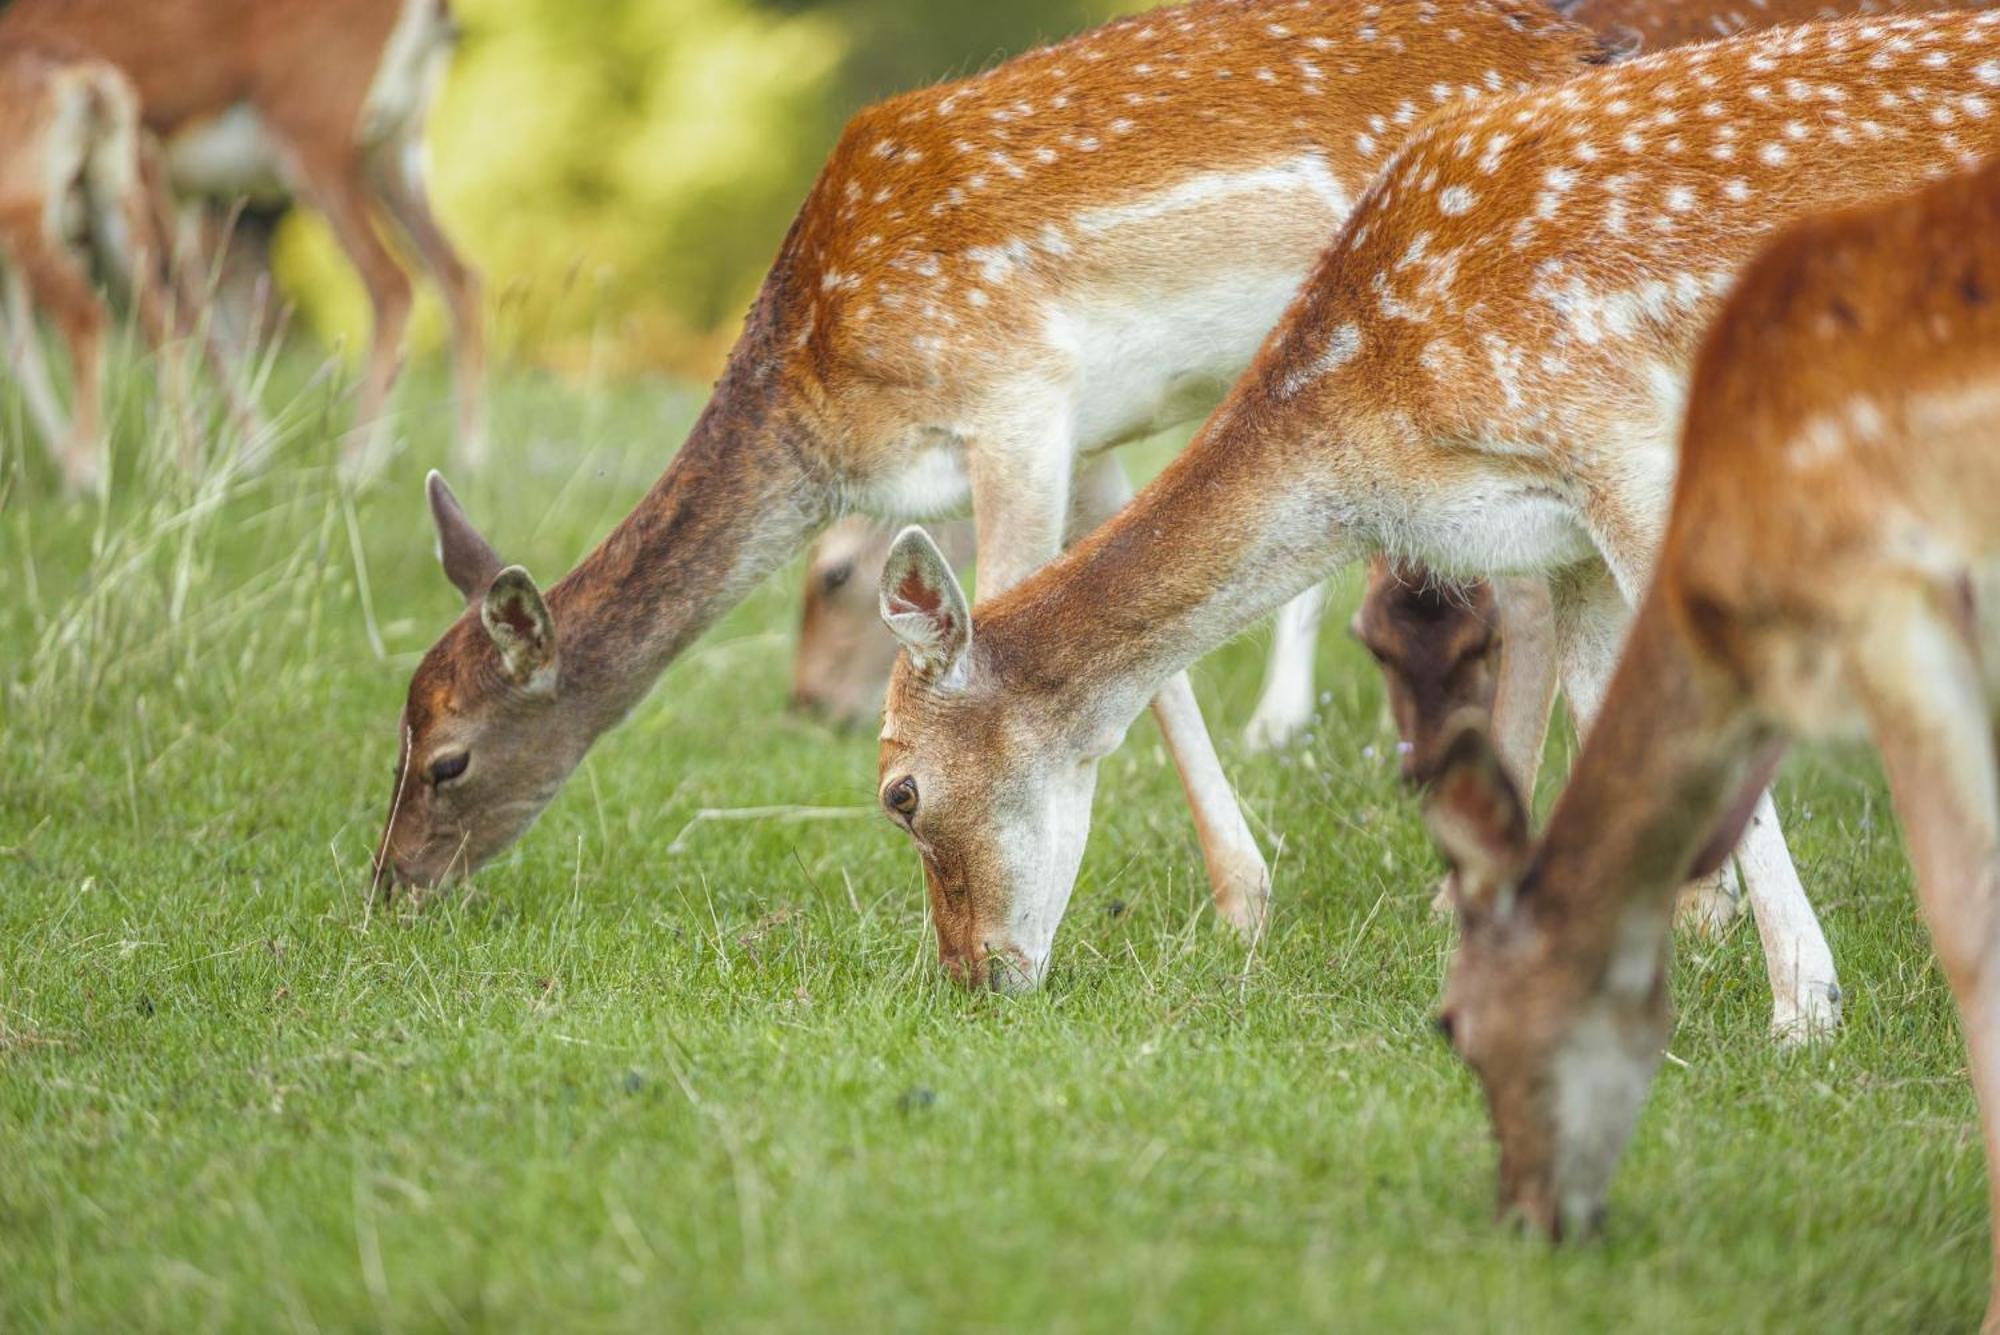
x: 73, y: 206
x: 1828, y: 570
x: 1484, y: 375
x: 992, y: 282
x: 329, y: 99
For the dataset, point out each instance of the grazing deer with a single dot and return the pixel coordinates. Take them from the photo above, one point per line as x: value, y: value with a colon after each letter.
x: 991, y: 283
x: 1485, y: 375
x: 72, y: 206
x: 329, y: 99
x: 1828, y: 569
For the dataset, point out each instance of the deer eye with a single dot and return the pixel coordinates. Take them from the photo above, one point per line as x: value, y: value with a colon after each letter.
x: 901, y: 797
x: 836, y: 578
x: 446, y: 768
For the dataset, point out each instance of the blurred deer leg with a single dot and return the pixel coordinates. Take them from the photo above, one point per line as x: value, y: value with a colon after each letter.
x: 1927, y: 705
x: 1526, y: 690
x: 337, y: 181
x: 31, y: 369
x: 1288, y: 700
x: 398, y: 171
x: 1237, y: 874
x: 62, y: 291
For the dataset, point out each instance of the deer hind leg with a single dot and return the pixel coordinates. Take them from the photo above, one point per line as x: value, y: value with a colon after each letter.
x: 59, y: 285
x: 31, y: 369
x: 397, y: 168
x: 1525, y: 693
x: 337, y: 180
x: 1289, y: 698
x: 1928, y: 706
x: 1238, y: 876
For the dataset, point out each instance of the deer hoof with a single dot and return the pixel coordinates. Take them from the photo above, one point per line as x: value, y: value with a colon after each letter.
x: 1808, y: 1012
x: 1242, y: 893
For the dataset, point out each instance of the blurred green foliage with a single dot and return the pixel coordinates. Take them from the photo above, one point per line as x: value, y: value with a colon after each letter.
x: 622, y: 171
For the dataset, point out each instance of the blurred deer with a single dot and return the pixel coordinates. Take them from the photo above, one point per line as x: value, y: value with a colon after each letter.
x: 73, y: 207
x: 1829, y: 570
x: 328, y: 100
x: 992, y: 283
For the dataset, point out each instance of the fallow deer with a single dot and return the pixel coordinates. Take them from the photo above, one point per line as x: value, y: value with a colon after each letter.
x: 1485, y: 375
x: 992, y: 282
x: 328, y: 99
x: 72, y: 208
x: 1461, y: 634
x: 1828, y: 569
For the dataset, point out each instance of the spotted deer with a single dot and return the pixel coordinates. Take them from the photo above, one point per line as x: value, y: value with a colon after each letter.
x: 1484, y: 375
x: 1828, y: 570
x: 73, y: 208
x: 326, y: 100
x: 992, y: 282
x: 1453, y: 666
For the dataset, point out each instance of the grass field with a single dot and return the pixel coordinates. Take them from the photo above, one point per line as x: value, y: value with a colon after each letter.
x: 617, y: 1085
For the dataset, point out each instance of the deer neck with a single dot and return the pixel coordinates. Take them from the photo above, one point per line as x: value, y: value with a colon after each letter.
x: 1670, y: 754
x: 737, y: 502
x: 1204, y: 552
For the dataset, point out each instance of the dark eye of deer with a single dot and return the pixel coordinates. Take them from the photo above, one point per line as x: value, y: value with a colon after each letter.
x: 833, y: 580
x: 447, y: 768
x: 901, y: 797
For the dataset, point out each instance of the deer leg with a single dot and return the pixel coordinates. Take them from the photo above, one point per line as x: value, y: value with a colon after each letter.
x: 398, y: 172
x: 31, y: 369
x: 60, y: 287
x: 338, y: 184
x: 1927, y: 704
x: 1288, y: 700
x: 167, y: 295
x: 1525, y: 693
x: 1237, y: 874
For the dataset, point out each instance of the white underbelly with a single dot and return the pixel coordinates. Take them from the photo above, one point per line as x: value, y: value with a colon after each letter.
x: 228, y: 156
x: 1151, y: 360
x: 1498, y: 530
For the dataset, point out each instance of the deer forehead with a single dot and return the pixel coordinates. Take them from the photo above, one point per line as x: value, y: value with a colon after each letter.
x: 1526, y: 238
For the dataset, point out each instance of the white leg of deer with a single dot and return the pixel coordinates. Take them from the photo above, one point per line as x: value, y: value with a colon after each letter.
x: 1289, y: 701
x: 1525, y: 693
x: 1237, y: 874
x: 1926, y: 703
x: 31, y: 368
x: 1805, y: 992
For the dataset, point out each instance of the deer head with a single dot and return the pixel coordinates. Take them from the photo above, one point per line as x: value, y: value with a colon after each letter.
x: 1439, y: 651
x: 485, y: 743
x: 1565, y: 1057
x: 997, y: 795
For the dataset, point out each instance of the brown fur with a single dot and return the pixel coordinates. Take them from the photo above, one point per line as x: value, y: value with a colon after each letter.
x: 1838, y: 497
x: 1654, y: 25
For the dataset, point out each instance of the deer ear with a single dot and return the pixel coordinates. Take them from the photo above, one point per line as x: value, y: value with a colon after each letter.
x: 923, y: 605
x: 1478, y: 823
x: 469, y: 561
x: 518, y: 620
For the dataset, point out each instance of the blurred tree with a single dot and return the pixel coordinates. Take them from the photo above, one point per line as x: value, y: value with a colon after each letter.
x: 623, y: 170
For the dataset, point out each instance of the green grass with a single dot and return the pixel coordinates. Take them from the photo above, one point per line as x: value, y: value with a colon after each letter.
x: 619, y: 1087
